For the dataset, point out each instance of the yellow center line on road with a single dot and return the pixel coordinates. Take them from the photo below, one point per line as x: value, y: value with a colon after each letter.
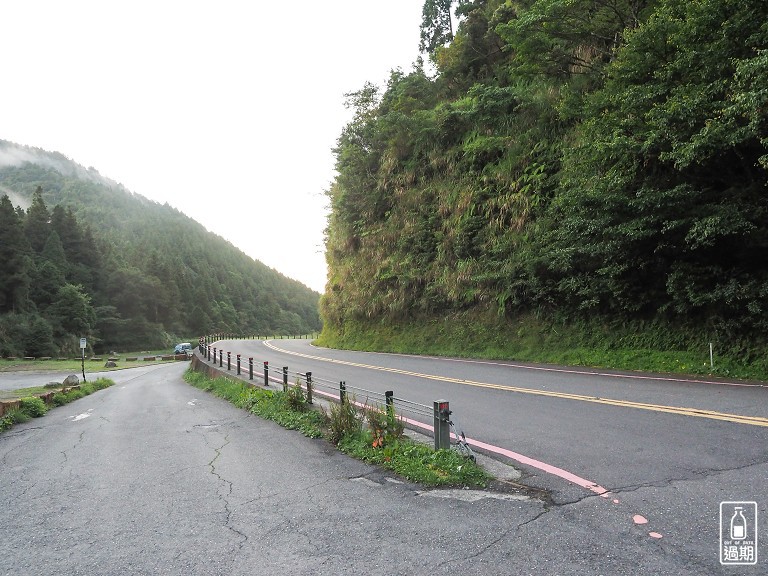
x: 683, y: 411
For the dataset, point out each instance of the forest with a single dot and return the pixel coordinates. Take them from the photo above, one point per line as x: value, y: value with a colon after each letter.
x: 87, y: 258
x: 598, y: 166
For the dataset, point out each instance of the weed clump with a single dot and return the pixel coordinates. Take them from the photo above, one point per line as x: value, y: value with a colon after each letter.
x: 344, y: 419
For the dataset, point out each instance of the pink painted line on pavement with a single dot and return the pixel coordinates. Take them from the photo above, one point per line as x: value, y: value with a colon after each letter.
x: 543, y: 466
x: 521, y: 458
x: 526, y: 460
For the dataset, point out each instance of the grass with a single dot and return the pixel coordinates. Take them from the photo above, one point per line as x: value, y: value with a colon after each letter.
x: 22, y: 392
x: 631, y: 346
x: 343, y: 427
x: 34, y: 407
x: 75, y: 365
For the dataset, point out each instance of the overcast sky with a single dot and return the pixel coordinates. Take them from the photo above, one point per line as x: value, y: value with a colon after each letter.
x: 226, y: 110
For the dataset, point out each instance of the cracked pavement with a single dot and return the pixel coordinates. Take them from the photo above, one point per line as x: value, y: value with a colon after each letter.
x: 165, y: 479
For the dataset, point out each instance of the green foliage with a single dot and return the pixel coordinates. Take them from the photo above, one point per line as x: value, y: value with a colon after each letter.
x: 343, y: 427
x: 33, y: 407
x: 6, y: 422
x: 676, y: 222
x: 344, y: 419
x: 296, y: 398
x: 125, y: 272
x: 75, y: 394
x: 576, y: 161
x: 265, y: 403
x: 385, y: 427
x: 15, y: 416
x: 436, y: 26
x: 417, y: 462
x: 562, y: 38
x: 642, y: 345
x: 59, y: 399
x: 15, y: 260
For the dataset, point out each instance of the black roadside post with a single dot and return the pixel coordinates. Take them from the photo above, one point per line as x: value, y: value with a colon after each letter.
x: 442, y: 429
x: 238, y: 364
x: 221, y: 358
x: 342, y: 392
x: 389, y: 398
x: 309, y: 387
x: 250, y: 368
x: 266, y: 373
x: 229, y: 360
x: 285, y: 378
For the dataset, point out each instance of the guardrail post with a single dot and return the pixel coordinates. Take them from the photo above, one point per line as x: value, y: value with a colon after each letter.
x: 442, y: 416
x: 214, y: 355
x: 238, y: 364
x: 309, y: 387
x: 229, y: 360
x: 266, y: 373
x: 342, y: 392
x: 389, y: 399
x: 221, y: 358
x: 285, y: 378
x: 250, y: 368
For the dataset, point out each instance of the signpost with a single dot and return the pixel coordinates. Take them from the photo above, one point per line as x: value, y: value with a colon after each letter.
x: 82, y: 349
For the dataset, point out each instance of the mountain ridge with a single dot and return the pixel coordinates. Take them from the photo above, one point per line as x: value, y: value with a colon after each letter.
x: 193, y: 280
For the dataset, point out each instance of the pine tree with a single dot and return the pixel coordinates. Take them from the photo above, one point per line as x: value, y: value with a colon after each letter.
x: 37, y: 222
x: 15, y: 261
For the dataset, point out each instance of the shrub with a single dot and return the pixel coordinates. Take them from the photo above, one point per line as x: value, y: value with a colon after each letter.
x: 33, y: 407
x: 344, y: 419
x: 59, y: 399
x: 16, y: 416
x: 385, y: 427
x: 73, y: 395
x: 6, y: 422
x: 101, y: 383
x: 296, y: 399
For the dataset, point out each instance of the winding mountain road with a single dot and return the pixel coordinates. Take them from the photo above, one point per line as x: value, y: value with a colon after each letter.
x: 659, y: 452
x: 152, y: 476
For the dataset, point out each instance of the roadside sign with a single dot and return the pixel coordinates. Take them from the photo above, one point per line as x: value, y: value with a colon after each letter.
x: 82, y: 343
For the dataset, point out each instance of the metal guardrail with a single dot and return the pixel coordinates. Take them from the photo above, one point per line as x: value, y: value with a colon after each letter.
x: 409, y: 412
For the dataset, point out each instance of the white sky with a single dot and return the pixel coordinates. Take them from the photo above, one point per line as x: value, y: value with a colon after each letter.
x: 226, y: 110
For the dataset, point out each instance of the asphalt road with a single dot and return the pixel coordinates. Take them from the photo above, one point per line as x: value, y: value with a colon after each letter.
x: 152, y: 476
x: 665, y: 450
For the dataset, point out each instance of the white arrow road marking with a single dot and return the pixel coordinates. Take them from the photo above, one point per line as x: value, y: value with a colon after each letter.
x: 82, y: 416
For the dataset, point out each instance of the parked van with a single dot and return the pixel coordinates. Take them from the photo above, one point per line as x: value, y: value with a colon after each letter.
x: 183, y: 348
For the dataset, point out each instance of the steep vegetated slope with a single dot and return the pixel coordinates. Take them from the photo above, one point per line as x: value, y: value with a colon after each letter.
x: 590, y: 172
x: 83, y: 257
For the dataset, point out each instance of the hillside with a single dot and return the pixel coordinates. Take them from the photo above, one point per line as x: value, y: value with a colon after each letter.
x: 591, y: 169
x: 83, y: 256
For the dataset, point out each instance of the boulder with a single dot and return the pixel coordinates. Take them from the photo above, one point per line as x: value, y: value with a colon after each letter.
x: 110, y: 364
x: 71, y: 380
